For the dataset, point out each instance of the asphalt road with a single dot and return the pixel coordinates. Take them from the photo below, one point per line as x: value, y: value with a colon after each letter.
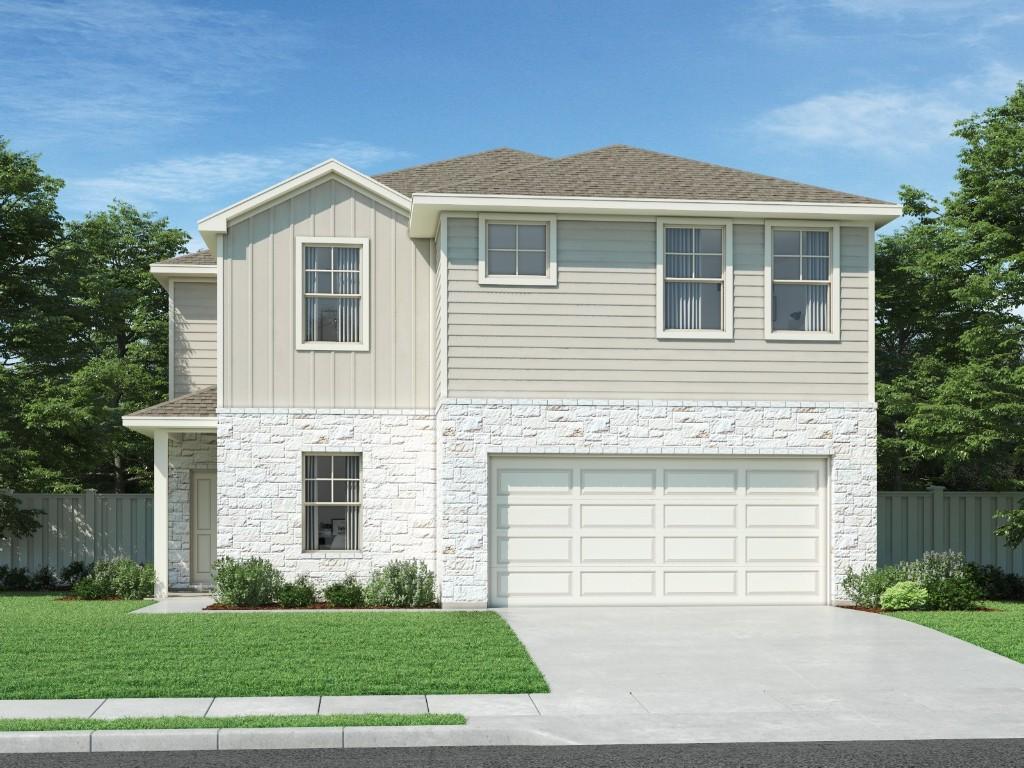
x: 859, y: 754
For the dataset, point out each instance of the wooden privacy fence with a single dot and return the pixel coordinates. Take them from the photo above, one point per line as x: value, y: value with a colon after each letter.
x: 914, y: 522
x: 83, y: 526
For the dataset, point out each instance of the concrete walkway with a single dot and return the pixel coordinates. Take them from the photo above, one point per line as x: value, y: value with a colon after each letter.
x: 635, y: 675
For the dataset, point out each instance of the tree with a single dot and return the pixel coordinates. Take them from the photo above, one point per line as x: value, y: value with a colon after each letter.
x: 114, y: 360
x: 16, y: 522
x: 950, y: 337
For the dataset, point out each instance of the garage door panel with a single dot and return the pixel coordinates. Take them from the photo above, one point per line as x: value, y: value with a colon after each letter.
x: 616, y: 549
x: 616, y: 515
x: 617, y: 583
x: 534, y: 515
x: 535, y: 549
x: 782, y: 583
x: 700, y: 515
x: 782, y: 516
x: 605, y: 480
x: 788, y: 481
x: 698, y: 583
x: 700, y: 481
x: 700, y: 549
x: 547, y: 481
x: 657, y: 530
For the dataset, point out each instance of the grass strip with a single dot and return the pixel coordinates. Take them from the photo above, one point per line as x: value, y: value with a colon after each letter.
x: 244, y: 721
x: 1000, y: 630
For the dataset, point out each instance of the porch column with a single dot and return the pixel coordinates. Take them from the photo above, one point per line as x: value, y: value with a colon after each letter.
x: 160, y: 522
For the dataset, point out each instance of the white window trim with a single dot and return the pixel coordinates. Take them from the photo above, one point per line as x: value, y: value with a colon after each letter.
x: 833, y: 334
x: 548, y: 279
x: 365, y: 291
x: 338, y: 553
x: 726, y: 331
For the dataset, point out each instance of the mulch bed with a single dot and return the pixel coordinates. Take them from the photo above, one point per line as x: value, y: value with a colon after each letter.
x: 980, y: 608
x: 314, y: 606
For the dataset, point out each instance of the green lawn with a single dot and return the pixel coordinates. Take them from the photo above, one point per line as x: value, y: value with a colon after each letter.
x: 51, y: 648
x: 1000, y: 630
x: 255, y: 721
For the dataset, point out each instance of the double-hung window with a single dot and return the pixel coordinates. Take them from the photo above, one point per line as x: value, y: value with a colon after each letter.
x: 333, y: 305
x: 518, y: 251
x: 694, y: 280
x: 332, y: 500
x: 803, y: 277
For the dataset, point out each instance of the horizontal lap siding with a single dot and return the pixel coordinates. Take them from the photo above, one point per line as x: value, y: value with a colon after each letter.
x: 594, y: 334
x: 195, y: 336
x: 263, y: 367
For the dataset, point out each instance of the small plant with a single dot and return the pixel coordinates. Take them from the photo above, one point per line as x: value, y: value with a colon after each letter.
x: 43, y: 580
x: 90, y: 589
x: 865, y: 587
x: 246, y: 583
x: 297, y: 594
x: 904, y: 596
x: 347, y: 593
x: 16, y: 580
x: 401, y: 584
x: 950, y: 582
x: 118, y: 578
x: 74, y: 572
x: 1012, y: 529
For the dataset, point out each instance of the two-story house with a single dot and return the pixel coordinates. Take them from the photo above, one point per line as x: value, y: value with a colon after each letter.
x: 618, y: 377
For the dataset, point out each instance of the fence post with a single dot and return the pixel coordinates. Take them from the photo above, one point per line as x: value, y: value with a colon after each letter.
x: 937, y: 491
x: 89, y: 511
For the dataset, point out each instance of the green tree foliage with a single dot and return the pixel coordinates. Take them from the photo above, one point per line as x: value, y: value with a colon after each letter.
x: 950, y: 334
x: 83, y: 336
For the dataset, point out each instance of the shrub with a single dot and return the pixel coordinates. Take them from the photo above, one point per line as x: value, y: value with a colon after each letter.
x: 120, y: 577
x: 904, y: 596
x: 74, y: 572
x: 246, y: 583
x: 297, y: 594
x: 17, y: 580
x: 865, y: 588
x: 950, y: 582
x: 995, y: 583
x: 345, y: 594
x: 89, y: 588
x: 43, y: 580
x: 401, y: 584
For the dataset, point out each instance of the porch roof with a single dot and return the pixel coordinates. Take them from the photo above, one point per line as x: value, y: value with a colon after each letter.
x: 194, y: 412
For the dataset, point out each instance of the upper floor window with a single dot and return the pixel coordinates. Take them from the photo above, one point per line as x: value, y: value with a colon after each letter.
x: 332, y: 500
x: 803, y: 275
x: 334, y: 300
x: 694, y: 279
x: 518, y: 251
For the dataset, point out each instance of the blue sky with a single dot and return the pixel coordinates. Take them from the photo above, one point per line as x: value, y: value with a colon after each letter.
x: 184, y: 107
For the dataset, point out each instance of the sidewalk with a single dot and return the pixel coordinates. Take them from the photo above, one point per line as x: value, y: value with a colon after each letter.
x: 492, y: 719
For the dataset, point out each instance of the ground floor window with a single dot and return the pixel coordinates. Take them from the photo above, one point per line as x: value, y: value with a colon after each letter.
x: 332, y: 499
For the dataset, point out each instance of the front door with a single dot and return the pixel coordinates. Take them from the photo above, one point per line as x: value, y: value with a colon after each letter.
x: 203, y: 524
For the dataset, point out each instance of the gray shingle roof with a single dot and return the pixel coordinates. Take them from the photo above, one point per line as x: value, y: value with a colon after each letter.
x: 200, y: 258
x: 445, y: 173
x: 199, y: 404
x: 630, y: 172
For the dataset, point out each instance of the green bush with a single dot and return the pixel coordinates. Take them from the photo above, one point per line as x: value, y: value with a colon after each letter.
x: 15, y: 579
x: 297, y: 594
x: 904, y: 596
x: 246, y: 583
x: 74, y: 572
x: 345, y: 594
x: 949, y: 580
x: 865, y: 587
x: 401, y: 584
x: 118, y: 578
x: 43, y: 580
x: 995, y: 583
x: 956, y: 593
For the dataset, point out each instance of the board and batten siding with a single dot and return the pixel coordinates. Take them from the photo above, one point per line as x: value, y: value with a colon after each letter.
x: 593, y: 335
x: 194, y: 336
x: 263, y: 367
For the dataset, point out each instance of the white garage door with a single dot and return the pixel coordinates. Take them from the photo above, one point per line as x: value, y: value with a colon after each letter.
x: 637, y: 531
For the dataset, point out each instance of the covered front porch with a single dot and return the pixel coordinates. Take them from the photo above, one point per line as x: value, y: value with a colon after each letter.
x: 184, y: 433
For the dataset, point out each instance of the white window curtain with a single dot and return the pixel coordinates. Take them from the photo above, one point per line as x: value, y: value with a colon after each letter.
x: 693, y: 278
x: 801, y: 280
x: 332, y: 294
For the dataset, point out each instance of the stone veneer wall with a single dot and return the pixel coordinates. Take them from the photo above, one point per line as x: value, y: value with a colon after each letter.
x: 259, y: 486
x: 471, y: 430
x: 185, y: 452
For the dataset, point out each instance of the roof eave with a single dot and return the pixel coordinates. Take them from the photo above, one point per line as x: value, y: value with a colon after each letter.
x: 427, y: 207
x: 217, y: 223
x: 149, y: 425
x: 164, y: 273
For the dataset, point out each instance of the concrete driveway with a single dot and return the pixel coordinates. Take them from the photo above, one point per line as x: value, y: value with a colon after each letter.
x: 763, y: 673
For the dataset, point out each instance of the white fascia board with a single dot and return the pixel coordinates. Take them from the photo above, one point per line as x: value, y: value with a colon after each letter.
x: 164, y: 273
x: 427, y: 207
x: 217, y: 223
x: 147, y: 425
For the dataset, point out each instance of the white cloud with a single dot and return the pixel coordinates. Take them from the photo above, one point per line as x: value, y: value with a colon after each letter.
x: 896, y: 8
x: 109, y: 67
x: 889, y: 119
x: 210, y: 181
